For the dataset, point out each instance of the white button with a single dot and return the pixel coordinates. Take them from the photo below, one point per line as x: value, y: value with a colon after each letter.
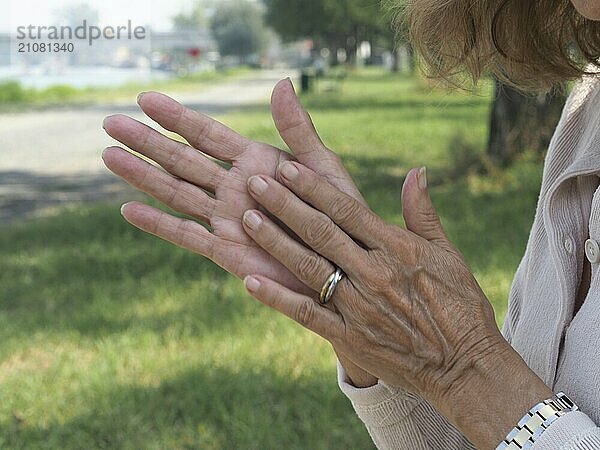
x: 592, y: 251
x: 569, y: 245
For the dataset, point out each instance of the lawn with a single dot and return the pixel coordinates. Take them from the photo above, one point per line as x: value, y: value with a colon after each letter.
x: 15, y: 97
x: 110, y: 338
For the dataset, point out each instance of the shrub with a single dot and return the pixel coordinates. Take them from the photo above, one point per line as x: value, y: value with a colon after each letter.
x: 12, y: 92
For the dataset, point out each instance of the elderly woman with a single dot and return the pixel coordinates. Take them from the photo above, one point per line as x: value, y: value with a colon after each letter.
x: 420, y: 355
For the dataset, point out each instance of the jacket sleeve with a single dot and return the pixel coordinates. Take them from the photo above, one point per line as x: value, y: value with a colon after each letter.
x: 573, y: 431
x: 396, y: 419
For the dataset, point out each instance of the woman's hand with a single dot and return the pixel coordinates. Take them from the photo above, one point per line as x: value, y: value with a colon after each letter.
x: 196, y: 185
x: 408, y: 308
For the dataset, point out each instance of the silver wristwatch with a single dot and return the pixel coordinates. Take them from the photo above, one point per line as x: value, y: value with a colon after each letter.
x: 535, y: 422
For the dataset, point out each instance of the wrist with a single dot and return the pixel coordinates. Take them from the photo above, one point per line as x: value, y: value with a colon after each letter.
x: 492, y: 394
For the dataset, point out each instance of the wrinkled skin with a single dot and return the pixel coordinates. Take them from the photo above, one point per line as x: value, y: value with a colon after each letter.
x: 409, y: 308
x: 189, y: 181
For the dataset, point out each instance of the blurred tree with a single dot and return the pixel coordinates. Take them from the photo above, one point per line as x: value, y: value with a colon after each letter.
x: 521, y: 122
x: 239, y: 29
x: 197, y: 18
x: 517, y: 121
x: 331, y: 23
x: 74, y: 15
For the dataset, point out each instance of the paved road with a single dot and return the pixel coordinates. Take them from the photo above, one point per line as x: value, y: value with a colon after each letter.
x: 52, y: 157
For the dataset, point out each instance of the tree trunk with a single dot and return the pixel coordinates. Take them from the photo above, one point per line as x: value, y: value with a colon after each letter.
x: 521, y: 122
x: 396, y: 58
x: 412, y: 63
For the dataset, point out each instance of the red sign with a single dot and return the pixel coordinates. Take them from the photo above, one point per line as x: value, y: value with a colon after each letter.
x: 194, y: 52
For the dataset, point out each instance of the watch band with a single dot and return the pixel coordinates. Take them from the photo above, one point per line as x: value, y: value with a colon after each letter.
x: 535, y: 422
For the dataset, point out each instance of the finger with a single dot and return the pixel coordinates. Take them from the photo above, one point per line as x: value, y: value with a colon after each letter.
x: 297, y: 130
x: 308, y: 266
x: 350, y: 215
x: 201, y: 131
x: 181, y: 232
x: 177, y: 158
x: 293, y: 123
x: 298, y: 307
x: 419, y: 213
x: 177, y: 194
x: 187, y: 234
x: 232, y: 256
x: 316, y: 229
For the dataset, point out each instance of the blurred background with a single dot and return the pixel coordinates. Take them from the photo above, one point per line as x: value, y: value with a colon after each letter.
x: 110, y: 338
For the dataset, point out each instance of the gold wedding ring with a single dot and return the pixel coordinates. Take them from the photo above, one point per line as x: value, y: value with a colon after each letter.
x: 330, y: 285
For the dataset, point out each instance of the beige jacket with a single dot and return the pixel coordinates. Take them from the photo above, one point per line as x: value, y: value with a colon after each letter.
x: 563, y: 350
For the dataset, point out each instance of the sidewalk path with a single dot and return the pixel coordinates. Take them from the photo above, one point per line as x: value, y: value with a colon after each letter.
x: 49, y: 158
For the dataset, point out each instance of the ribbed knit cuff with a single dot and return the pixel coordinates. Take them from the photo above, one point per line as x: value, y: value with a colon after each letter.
x: 380, y: 405
x: 573, y: 431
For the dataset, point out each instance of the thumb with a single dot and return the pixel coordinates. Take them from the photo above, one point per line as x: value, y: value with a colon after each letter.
x: 297, y: 130
x: 294, y: 124
x: 419, y: 213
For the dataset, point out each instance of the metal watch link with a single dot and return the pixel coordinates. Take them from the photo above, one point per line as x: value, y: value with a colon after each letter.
x: 535, y: 422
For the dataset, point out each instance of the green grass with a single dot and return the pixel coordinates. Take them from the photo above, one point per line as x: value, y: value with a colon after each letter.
x: 110, y: 338
x: 13, y: 96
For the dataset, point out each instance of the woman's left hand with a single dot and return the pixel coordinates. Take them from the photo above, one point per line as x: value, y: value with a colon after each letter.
x: 408, y: 309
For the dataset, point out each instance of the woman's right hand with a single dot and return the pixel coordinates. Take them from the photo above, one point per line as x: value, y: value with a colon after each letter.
x: 194, y: 184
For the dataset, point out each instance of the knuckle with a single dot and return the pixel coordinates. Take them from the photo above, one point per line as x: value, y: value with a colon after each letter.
x: 276, y: 299
x: 310, y: 189
x: 319, y: 232
x: 156, y: 225
x: 204, y: 129
x: 236, y: 174
x: 380, y: 280
x: 218, y: 132
x: 176, y: 158
x: 181, y: 232
x: 429, y: 218
x: 146, y: 136
x: 405, y: 243
x: 344, y: 209
x: 143, y: 180
x: 288, y: 124
x: 174, y: 192
x: 305, y: 313
x: 306, y: 266
x: 281, y: 201
x: 281, y: 204
x: 177, y: 118
x: 270, y: 238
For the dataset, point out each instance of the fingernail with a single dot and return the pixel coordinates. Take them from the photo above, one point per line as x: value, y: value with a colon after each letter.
x: 289, y: 171
x: 104, y: 153
x: 252, y: 219
x: 139, y: 97
x: 422, y: 176
x: 251, y: 283
x: 257, y: 185
x: 123, y: 208
x: 104, y: 121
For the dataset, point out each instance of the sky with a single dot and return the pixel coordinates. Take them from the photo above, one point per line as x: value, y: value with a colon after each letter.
x: 156, y: 13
